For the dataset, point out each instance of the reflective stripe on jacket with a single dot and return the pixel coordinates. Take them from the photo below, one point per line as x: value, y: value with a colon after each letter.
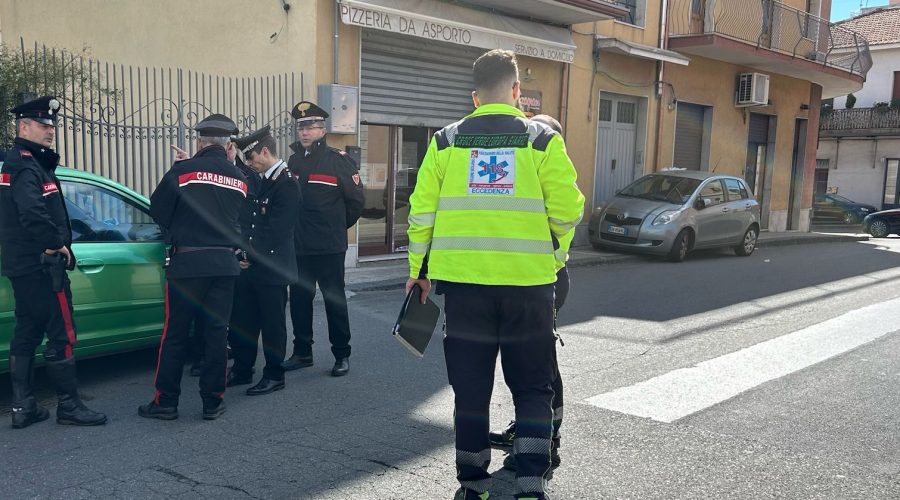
x: 494, y: 196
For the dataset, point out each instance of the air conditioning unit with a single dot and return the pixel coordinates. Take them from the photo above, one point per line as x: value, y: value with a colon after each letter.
x: 752, y: 90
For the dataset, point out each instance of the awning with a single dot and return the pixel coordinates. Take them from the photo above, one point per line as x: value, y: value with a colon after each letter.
x: 623, y: 47
x: 560, y: 11
x: 440, y: 21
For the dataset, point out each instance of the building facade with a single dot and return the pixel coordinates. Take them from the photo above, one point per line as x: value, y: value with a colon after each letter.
x: 638, y: 85
x: 859, y: 148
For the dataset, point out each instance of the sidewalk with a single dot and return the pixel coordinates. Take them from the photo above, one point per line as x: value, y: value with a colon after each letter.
x: 391, y: 274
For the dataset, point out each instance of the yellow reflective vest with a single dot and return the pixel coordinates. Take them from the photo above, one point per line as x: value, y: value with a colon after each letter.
x: 495, y: 194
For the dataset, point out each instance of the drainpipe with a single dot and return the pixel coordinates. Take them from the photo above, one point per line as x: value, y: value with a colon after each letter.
x: 337, y: 15
x: 875, y: 153
x: 660, y: 73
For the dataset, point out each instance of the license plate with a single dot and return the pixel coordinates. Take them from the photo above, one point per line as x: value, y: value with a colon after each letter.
x: 616, y: 229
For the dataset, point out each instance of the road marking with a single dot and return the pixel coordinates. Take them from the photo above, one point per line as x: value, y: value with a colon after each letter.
x: 680, y: 393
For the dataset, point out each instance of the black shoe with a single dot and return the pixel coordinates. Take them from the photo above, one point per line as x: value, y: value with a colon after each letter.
x: 504, y: 439
x: 25, y: 410
x: 233, y: 379
x: 70, y: 410
x: 467, y: 494
x: 341, y: 367
x: 265, y: 386
x: 296, y: 362
x: 214, y: 412
x: 27, y: 414
x: 153, y: 410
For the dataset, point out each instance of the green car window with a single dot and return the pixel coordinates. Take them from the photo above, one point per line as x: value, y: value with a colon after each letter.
x: 98, y: 215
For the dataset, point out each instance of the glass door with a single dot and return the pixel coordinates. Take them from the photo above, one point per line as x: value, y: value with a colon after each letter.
x: 376, y: 173
x: 391, y: 156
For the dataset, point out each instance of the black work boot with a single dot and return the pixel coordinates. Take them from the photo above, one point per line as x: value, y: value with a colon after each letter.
x: 504, y: 439
x: 25, y: 410
x: 70, y: 410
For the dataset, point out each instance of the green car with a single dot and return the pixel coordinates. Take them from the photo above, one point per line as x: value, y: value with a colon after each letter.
x: 118, y: 282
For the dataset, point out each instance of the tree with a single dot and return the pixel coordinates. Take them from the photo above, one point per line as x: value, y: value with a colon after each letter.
x: 851, y: 101
x: 26, y: 73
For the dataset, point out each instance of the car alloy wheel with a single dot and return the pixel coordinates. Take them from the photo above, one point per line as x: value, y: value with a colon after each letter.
x: 748, y: 243
x: 849, y: 218
x: 878, y: 229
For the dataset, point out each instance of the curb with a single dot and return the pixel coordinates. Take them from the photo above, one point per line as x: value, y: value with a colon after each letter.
x: 606, y: 259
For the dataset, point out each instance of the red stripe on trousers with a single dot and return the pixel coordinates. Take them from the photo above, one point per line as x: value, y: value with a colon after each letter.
x: 161, y: 342
x: 67, y: 320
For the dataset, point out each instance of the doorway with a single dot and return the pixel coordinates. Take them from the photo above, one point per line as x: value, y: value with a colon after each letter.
x: 758, y: 169
x: 618, y: 152
x: 797, y: 164
x: 390, y: 160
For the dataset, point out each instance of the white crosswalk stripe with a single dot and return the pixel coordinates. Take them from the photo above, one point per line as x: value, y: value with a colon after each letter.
x: 682, y: 392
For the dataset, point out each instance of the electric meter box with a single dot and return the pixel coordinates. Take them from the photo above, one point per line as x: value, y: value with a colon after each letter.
x: 342, y: 104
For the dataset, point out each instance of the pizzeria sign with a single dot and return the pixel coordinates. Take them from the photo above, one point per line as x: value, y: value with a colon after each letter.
x: 443, y: 30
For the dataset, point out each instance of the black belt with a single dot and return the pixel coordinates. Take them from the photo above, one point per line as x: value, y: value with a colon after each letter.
x: 181, y: 249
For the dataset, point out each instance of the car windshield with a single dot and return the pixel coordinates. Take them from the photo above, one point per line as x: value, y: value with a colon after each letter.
x: 667, y: 188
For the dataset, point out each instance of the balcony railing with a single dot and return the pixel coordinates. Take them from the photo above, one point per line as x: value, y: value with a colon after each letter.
x: 860, y: 119
x: 775, y: 26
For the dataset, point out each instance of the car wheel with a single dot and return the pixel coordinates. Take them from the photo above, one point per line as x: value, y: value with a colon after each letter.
x: 879, y: 228
x: 748, y: 242
x: 849, y: 218
x: 680, y: 246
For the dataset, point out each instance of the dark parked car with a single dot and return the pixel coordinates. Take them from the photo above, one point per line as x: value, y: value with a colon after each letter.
x: 835, y: 208
x: 881, y: 224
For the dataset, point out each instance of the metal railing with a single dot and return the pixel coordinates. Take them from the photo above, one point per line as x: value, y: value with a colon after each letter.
x: 119, y: 120
x: 775, y: 26
x: 860, y: 119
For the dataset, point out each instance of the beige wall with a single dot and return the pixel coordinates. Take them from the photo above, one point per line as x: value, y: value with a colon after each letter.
x: 583, y: 103
x: 711, y: 83
x: 223, y: 37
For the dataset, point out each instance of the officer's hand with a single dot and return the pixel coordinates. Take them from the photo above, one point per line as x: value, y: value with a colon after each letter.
x: 180, y: 154
x: 63, y: 250
x: 424, y: 284
x: 244, y: 264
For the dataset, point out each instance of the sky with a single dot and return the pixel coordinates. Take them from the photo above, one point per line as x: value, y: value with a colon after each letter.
x: 844, y: 9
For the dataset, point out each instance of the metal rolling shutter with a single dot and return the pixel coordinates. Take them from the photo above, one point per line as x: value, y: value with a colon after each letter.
x: 406, y: 80
x: 688, y: 136
x: 759, y: 129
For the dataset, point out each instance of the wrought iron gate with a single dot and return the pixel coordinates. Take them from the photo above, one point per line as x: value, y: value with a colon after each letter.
x: 119, y: 121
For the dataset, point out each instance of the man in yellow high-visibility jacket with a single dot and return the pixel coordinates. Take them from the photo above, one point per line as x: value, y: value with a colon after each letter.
x: 491, y: 219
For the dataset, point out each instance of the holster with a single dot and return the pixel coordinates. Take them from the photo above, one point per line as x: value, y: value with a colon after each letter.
x: 55, y: 266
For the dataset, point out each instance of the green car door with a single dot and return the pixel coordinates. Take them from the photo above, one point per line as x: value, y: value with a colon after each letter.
x: 118, y: 282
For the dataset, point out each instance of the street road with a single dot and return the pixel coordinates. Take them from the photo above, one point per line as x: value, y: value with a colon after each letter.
x: 773, y: 376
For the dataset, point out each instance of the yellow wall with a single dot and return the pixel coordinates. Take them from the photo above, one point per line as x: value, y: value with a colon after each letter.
x: 222, y: 37
x: 583, y: 102
x: 711, y: 83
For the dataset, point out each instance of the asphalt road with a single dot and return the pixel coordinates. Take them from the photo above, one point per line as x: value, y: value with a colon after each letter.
x: 773, y: 376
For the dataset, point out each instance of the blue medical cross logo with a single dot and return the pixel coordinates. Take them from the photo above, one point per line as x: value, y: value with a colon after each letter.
x: 493, y: 170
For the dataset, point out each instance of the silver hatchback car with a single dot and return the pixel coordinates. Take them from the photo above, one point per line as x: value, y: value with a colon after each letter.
x: 672, y: 212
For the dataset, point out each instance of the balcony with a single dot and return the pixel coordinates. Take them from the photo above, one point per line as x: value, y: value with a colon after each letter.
x: 863, y: 122
x: 771, y: 37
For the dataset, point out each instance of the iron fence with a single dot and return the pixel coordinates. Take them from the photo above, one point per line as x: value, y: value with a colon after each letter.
x: 119, y: 121
x: 775, y: 26
x: 860, y: 119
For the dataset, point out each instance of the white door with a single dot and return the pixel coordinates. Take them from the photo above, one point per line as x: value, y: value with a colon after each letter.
x: 616, y: 128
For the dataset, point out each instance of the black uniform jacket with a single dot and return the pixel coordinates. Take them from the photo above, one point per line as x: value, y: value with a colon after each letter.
x: 332, y: 198
x: 33, y: 215
x: 198, y: 203
x: 271, y: 237
x: 246, y: 215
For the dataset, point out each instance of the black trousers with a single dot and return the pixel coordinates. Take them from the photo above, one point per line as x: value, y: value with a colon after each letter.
x: 258, y: 308
x: 561, y: 291
x: 328, y: 271
x: 206, y: 302
x: 41, y: 311
x: 521, y: 330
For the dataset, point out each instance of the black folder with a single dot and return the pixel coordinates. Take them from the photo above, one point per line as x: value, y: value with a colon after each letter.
x: 416, y: 322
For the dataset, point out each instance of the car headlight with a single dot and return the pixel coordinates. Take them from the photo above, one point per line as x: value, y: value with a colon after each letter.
x: 864, y: 210
x: 666, y: 217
